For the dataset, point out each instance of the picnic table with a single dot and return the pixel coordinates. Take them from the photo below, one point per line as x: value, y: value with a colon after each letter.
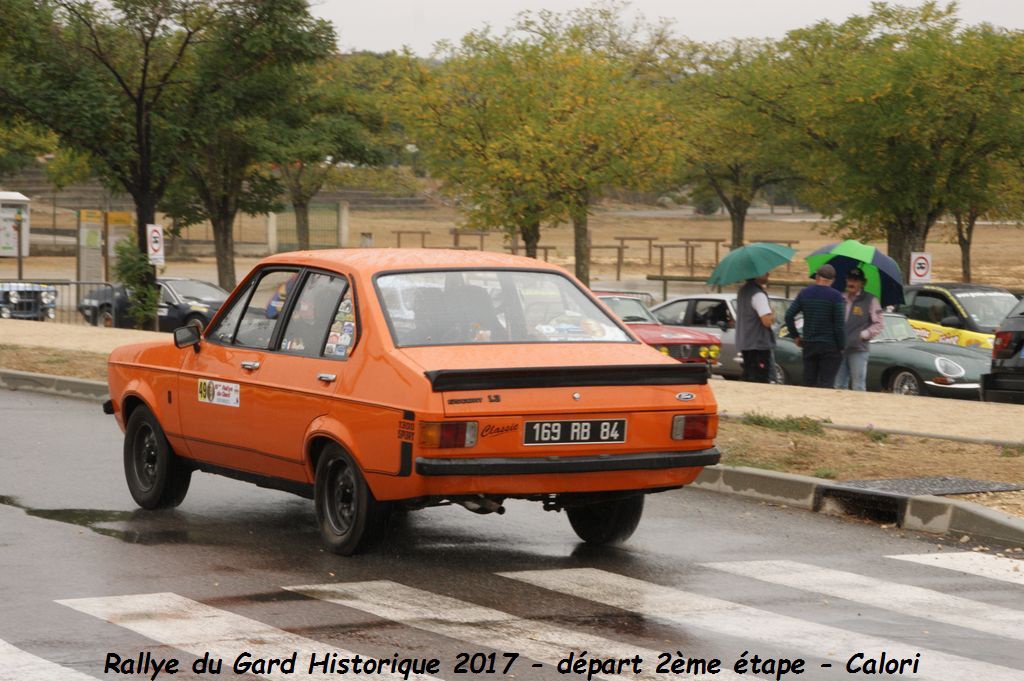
x: 650, y: 244
x: 457, y: 234
x: 717, y: 241
x: 515, y: 246
x: 400, y: 232
x: 618, y: 259
x: 690, y: 248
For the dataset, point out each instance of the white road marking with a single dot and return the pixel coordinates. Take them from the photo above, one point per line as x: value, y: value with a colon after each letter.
x: 978, y: 564
x: 196, y: 628
x: 486, y: 627
x: 910, y: 600
x: 687, y: 609
x: 17, y: 665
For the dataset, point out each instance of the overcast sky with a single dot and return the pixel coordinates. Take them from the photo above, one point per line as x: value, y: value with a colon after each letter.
x: 381, y: 25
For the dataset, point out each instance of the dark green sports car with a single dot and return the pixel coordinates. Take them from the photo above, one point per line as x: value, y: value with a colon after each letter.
x: 900, y: 363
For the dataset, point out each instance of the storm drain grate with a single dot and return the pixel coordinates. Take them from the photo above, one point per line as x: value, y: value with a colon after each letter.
x: 938, y: 485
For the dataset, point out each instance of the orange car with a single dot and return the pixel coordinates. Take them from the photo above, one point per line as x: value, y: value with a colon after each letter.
x: 374, y: 379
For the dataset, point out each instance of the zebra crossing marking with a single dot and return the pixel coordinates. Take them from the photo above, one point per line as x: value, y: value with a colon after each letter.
x: 687, y: 609
x: 913, y: 600
x: 196, y: 628
x: 17, y: 665
x: 978, y: 564
x: 487, y: 627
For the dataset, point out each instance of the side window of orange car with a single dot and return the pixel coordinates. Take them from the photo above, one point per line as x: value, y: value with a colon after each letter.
x: 344, y: 329
x: 268, y: 300
x: 313, y: 315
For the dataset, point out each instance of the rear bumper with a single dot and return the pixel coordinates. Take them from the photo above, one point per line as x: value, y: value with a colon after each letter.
x: 1007, y: 388
x: 567, y: 464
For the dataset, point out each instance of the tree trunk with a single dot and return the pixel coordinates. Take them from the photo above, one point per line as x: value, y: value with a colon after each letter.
x: 145, y: 214
x: 581, y: 237
x: 224, y: 246
x: 904, y: 237
x: 531, y: 236
x: 964, y: 237
x: 738, y: 216
x: 301, y: 222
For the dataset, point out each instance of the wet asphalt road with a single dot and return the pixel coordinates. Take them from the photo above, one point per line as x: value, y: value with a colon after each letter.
x: 457, y: 582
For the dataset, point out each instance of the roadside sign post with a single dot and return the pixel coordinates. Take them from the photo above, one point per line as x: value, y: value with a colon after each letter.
x: 920, y: 268
x: 155, y: 244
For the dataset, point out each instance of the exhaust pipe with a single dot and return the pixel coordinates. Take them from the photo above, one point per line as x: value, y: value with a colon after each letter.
x: 482, y: 505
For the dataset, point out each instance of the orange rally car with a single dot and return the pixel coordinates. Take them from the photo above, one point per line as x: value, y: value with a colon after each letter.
x: 369, y: 379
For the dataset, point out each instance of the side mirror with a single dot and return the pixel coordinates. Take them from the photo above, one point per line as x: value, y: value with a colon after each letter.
x: 190, y: 334
x: 723, y: 325
x: 951, y: 321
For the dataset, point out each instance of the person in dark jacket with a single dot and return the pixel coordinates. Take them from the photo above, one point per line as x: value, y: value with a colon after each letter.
x: 754, y: 336
x: 824, y: 330
x: 863, y: 322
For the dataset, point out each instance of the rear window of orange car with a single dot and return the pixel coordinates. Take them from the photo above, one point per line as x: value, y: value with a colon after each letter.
x: 454, y: 307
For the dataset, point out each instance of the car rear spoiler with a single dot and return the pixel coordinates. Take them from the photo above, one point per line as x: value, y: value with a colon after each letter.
x: 567, y: 377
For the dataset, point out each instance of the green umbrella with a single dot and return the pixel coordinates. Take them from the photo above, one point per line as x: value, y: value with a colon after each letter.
x: 750, y: 261
x: 883, y: 277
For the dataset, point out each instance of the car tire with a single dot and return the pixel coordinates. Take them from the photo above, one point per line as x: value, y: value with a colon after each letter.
x: 906, y: 382
x: 350, y: 518
x: 607, y: 522
x: 779, y: 375
x: 104, y: 317
x: 156, y: 476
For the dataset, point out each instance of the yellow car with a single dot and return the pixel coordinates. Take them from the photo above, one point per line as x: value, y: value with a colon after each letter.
x: 957, y: 314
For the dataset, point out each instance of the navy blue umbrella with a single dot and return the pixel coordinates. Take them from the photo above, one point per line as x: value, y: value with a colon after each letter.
x: 884, y: 278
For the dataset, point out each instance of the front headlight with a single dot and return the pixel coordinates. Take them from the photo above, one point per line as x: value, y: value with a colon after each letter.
x: 714, y: 351
x: 14, y: 297
x: 948, y: 367
x: 48, y: 297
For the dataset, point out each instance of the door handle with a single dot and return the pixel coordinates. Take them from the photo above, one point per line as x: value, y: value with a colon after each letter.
x: 250, y: 366
x: 326, y: 378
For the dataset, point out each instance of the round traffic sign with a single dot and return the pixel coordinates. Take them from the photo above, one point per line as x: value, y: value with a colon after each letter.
x: 921, y: 266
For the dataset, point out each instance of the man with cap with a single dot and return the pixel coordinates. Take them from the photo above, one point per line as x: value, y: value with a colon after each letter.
x: 824, y: 334
x: 863, y: 322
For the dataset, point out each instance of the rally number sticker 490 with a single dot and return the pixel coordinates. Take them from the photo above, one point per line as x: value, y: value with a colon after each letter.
x: 216, y: 392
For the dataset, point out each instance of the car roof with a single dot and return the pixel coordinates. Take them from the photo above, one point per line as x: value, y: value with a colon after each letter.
x: 373, y: 260
x: 712, y: 296
x: 954, y: 286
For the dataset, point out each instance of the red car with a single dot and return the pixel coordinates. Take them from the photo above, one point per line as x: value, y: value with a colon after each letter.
x: 686, y: 345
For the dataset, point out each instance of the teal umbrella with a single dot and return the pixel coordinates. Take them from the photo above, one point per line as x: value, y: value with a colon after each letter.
x: 750, y: 261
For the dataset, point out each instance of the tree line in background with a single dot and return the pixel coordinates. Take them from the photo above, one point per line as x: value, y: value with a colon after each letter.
x: 200, y: 109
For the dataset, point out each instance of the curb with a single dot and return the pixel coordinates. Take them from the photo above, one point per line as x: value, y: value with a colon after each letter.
x: 926, y: 513
x: 53, y: 385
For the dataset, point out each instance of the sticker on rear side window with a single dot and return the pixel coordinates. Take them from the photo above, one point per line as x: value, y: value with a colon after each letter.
x: 216, y: 392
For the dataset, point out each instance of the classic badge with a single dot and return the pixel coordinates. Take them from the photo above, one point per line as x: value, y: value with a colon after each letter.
x: 685, y: 397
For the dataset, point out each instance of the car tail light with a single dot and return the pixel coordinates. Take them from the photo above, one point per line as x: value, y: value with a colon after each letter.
x: 448, y: 435
x: 1001, y: 346
x: 694, y: 426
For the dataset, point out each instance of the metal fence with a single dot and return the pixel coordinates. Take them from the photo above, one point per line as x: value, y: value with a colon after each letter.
x: 96, y: 303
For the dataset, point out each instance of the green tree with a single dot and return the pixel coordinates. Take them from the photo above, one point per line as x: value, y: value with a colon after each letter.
x: 20, y: 144
x: 121, y: 80
x: 336, y: 116
x: 726, y: 147
x: 529, y: 126
x: 893, y: 113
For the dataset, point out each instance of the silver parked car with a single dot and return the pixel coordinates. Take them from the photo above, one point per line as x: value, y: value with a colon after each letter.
x: 714, y: 313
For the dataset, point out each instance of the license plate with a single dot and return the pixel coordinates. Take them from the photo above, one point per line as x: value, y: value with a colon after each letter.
x: 574, y: 432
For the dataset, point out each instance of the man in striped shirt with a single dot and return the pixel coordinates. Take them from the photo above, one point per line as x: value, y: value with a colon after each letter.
x: 824, y: 332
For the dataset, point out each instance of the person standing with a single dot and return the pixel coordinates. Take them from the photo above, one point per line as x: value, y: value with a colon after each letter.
x: 824, y: 334
x: 863, y: 322
x: 754, y: 336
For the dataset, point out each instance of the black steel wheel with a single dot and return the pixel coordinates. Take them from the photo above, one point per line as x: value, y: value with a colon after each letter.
x: 350, y: 517
x: 156, y: 477
x: 607, y: 522
x: 906, y: 382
